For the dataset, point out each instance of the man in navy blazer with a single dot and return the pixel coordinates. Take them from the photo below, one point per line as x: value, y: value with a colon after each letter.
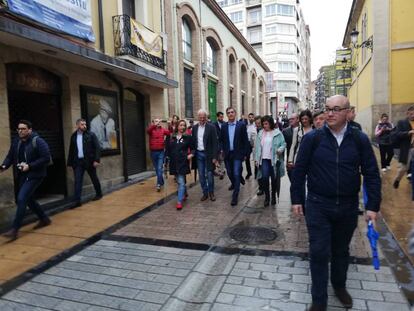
x: 234, y: 143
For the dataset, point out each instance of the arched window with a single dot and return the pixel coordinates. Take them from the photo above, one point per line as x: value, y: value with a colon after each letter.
x: 211, y: 59
x: 187, y: 45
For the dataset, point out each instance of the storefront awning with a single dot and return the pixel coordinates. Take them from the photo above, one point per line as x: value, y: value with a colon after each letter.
x: 23, y: 36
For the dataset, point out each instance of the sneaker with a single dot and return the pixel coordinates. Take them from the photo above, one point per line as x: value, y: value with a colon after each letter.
x: 179, y: 206
x: 158, y: 188
x: 384, y: 169
x: 409, y: 177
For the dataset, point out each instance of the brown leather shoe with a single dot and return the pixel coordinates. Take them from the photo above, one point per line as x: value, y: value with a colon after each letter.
x: 212, y: 196
x: 317, y: 308
x: 42, y: 223
x: 204, y: 197
x: 344, y: 297
x: 12, y: 234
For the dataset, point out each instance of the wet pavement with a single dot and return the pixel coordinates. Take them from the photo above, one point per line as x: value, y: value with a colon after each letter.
x: 164, y: 259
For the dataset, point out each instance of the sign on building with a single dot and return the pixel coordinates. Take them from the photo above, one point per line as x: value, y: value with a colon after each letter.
x: 72, y: 17
x: 145, y: 39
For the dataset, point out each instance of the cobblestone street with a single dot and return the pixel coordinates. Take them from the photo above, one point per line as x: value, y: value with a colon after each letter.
x: 170, y: 260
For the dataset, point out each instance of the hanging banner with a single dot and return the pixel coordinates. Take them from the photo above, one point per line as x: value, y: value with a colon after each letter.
x: 68, y: 16
x: 145, y: 39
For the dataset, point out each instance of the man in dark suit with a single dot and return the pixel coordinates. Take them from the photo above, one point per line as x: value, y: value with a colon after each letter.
x: 205, y: 143
x: 84, y: 155
x: 405, y: 132
x: 219, y: 123
x: 288, y: 135
x: 235, y: 146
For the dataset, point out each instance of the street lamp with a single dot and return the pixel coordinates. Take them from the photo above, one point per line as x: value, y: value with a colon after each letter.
x: 369, y: 43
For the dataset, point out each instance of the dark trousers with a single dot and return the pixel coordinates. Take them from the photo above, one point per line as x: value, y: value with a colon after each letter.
x: 79, y: 170
x: 268, y: 171
x: 386, y: 152
x: 248, y: 165
x: 234, y: 171
x: 25, y: 197
x: 259, y: 181
x: 330, y: 228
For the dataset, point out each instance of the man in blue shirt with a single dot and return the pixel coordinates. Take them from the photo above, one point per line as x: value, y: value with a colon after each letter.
x: 235, y: 145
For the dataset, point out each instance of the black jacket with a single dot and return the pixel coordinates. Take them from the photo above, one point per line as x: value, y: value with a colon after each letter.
x: 288, y: 135
x: 241, y: 142
x: 91, y: 149
x: 177, y: 152
x: 210, y: 143
x: 403, y: 127
x: 37, y: 158
x: 333, y: 173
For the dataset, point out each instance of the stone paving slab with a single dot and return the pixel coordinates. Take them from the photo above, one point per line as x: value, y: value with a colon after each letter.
x: 211, y: 281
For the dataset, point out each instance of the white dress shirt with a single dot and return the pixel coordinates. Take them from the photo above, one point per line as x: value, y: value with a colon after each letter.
x: 79, y: 143
x: 200, y: 136
x: 340, y: 135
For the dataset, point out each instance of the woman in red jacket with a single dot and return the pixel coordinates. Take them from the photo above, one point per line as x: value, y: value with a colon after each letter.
x: 157, y: 145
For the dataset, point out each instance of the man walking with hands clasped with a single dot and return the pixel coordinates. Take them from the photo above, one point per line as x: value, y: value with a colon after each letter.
x: 331, y: 160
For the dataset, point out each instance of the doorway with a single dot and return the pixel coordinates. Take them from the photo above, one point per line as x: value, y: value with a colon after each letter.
x: 134, y: 132
x: 212, y: 100
x: 34, y: 94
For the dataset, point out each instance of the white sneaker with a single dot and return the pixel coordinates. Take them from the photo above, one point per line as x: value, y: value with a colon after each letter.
x: 384, y: 169
x: 388, y: 168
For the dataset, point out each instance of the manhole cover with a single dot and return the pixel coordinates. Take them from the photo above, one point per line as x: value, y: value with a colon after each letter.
x: 253, y: 235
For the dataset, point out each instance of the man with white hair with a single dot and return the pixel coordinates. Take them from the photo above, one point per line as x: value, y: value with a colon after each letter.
x: 103, y: 126
x: 206, y: 145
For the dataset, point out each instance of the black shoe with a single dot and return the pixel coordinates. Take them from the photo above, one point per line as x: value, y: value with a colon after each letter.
x: 344, y: 297
x: 260, y: 192
x: 77, y: 204
x: 273, y: 202
x: 212, y: 196
x: 231, y: 188
x: 42, y: 223
x: 12, y: 234
x: 248, y: 176
x: 97, y: 197
x: 396, y: 184
x: 242, y: 181
x: 204, y: 197
x: 314, y: 307
x: 266, y: 203
x: 233, y: 202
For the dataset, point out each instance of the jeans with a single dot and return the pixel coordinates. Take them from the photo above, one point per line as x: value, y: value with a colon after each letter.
x: 181, y: 187
x: 79, y: 170
x: 386, y: 152
x: 234, y: 171
x: 330, y: 228
x: 268, y: 171
x: 158, y: 161
x: 25, y: 198
x: 206, y: 176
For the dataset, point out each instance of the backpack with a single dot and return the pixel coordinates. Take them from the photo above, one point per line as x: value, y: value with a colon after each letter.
x: 34, y: 146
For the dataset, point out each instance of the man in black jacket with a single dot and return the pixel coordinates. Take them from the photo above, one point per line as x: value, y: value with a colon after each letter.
x: 84, y: 155
x: 330, y: 160
x: 405, y: 131
x: 29, y: 154
x: 288, y: 135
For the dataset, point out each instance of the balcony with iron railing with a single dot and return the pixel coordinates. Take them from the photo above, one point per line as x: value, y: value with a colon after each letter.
x: 124, y: 47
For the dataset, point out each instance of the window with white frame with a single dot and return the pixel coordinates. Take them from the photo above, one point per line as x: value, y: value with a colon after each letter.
x: 286, y: 86
x: 211, y: 58
x: 279, y: 28
x: 285, y: 10
x: 254, y: 16
x: 271, y: 9
x: 187, y: 38
x: 254, y: 35
x: 286, y: 67
x: 223, y: 3
x: 236, y: 17
x: 286, y: 48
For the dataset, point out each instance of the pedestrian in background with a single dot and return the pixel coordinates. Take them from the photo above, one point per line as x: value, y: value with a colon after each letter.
x: 29, y: 155
x: 258, y: 122
x: 157, y: 136
x: 269, y: 150
x: 305, y: 126
x: 405, y: 137
x: 331, y: 160
x: 318, y: 119
x: 351, y: 119
x: 235, y: 147
x: 84, y: 155
x: 180, y: 151
x: 205, y: 143
x: 383, y: 134
x: 288, y: 135
x: 251, y: 132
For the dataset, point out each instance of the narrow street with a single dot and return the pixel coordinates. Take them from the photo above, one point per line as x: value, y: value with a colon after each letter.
x: 200, y: 258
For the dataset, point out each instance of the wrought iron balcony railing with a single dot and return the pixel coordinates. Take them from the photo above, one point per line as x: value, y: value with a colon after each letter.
x: 123, y: 45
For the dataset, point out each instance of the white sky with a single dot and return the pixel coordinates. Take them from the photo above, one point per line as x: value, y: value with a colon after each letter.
x: 327, y: 21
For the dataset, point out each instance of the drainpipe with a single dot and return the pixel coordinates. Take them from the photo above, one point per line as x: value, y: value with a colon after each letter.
x: 101, y: 27
x: 121, y: 99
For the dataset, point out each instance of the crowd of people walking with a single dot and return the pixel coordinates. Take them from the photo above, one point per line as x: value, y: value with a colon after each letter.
x: 325, y: 155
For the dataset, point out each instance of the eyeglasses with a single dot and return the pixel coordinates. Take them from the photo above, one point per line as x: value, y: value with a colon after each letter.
x: 335, y: 109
